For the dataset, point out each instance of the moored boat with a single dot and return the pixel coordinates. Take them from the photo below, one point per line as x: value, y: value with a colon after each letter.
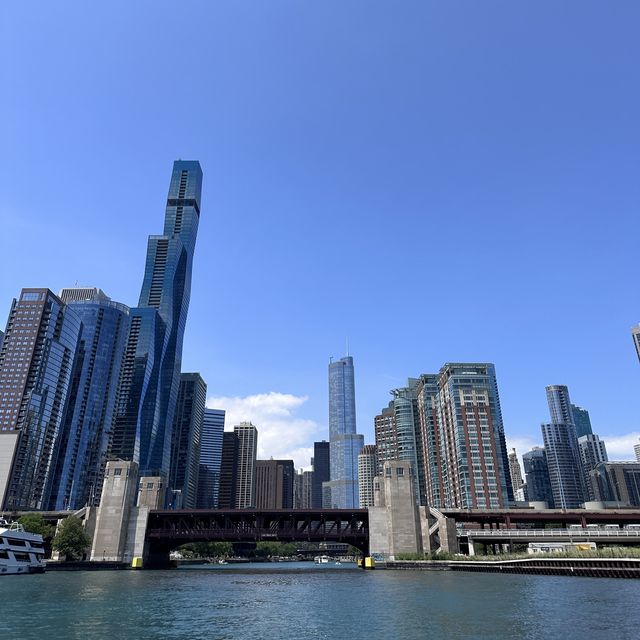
x: 21, y: 552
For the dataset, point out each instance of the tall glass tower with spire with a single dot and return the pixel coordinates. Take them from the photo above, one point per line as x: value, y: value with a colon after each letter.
x: 341, y: 492
x: 153, y: 357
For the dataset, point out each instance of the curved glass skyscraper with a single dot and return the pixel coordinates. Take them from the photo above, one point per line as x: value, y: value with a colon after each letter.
x: 153, y: 356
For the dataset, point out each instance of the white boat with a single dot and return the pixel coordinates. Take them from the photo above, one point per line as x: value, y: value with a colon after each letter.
x: 322, y: 559
x: 21, y: 552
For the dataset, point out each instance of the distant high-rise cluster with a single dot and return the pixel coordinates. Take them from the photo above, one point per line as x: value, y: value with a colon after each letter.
x: 448, y: 426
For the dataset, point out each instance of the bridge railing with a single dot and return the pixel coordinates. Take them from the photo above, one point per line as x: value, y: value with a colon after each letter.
x: 548, y: 533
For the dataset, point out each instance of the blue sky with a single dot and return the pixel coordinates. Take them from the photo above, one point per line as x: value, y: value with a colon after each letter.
x: 438, y: 181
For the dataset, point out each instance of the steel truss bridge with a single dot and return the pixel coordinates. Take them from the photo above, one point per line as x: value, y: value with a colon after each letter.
x: 167, y: 530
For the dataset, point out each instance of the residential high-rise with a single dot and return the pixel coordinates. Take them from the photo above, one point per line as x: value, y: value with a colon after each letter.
x: 636, y: 451
x: 185, y: 441
x: 565, y: 470
x: 592, y: 452
x: 635, y: 334
x: 345, y: 444
x: 36, y: 363
x: 321, y: 472
x: 515, y: 472
x: 153, y: 356
x: 210, y: 459
x: 245, y: 479
x: 274, y: 484
x: 536, y: 472
x: 561, y: 447
x: 88, y: 418
x: 431, y: 434
x: 228, y: 471
x: 367, y: 471
x: 398, y: 434
x: 463, y: 437
x: 581, y: 420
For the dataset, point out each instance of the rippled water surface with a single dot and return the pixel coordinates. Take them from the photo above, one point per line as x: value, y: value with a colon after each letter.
x: 302, y: 601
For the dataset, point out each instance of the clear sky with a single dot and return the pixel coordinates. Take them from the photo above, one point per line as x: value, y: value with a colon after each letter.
x: 436, y: 181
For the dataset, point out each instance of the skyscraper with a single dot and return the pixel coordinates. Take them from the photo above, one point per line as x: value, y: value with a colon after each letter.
x: 537, y: 476
x: 247, y: 436
x: 561, y: 447
x: 228, y: 471
x: 88, y: 417
x: 470, y: 405
x: 428, y: 402
x: 398, y: 434
x: 321, y: 472
x: 516, y: 472
x: 274, y: 484
x: 617, y: 482
x: 210, y: 459
x: 463, y: 435
x: 151, y: 372
x: 581, y: 420
x: 345, y: 444
x: 185, y: 440
x: 367, y: 471
x: 302, y: 490
x: 636, y: 451
x: 592, y: 452
x: 36, y: 363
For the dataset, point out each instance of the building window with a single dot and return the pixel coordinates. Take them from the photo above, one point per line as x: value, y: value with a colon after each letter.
x: 400, y: 471
x: 117, y: 472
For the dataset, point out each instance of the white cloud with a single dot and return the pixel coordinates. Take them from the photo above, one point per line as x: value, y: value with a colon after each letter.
x: 621, y: 447
x: 282, y: 434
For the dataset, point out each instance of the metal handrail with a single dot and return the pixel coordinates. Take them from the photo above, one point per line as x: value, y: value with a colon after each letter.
x: 542, y: 533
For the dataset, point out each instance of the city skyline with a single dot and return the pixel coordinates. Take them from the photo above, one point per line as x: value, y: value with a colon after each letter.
x: 329, y: 155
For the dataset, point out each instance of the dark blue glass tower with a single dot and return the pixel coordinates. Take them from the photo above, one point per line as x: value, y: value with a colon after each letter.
x: 86, y: 427
x: 151, y: 372
x: 210, y: 458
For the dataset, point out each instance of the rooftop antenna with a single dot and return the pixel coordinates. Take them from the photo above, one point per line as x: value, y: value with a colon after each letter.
x: 347, y: 341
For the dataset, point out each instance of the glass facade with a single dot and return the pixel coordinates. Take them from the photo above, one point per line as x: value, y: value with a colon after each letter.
x: 536, y: 470
x: 210, y: 459
x: 581, y: 420
x: 36, y: 364
x: 186, y: 441
x: 321, y: 471
x: 84, y: 441
x: 561, y: 446
x: 344, y: 443
x: 151, y: 374
x: 398, y: 434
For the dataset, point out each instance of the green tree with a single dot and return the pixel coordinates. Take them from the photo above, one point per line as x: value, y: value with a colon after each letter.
x: 35, y: 523
x: 71, y: 539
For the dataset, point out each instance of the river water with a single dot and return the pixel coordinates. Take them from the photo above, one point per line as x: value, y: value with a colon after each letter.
x: 304, y: 602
